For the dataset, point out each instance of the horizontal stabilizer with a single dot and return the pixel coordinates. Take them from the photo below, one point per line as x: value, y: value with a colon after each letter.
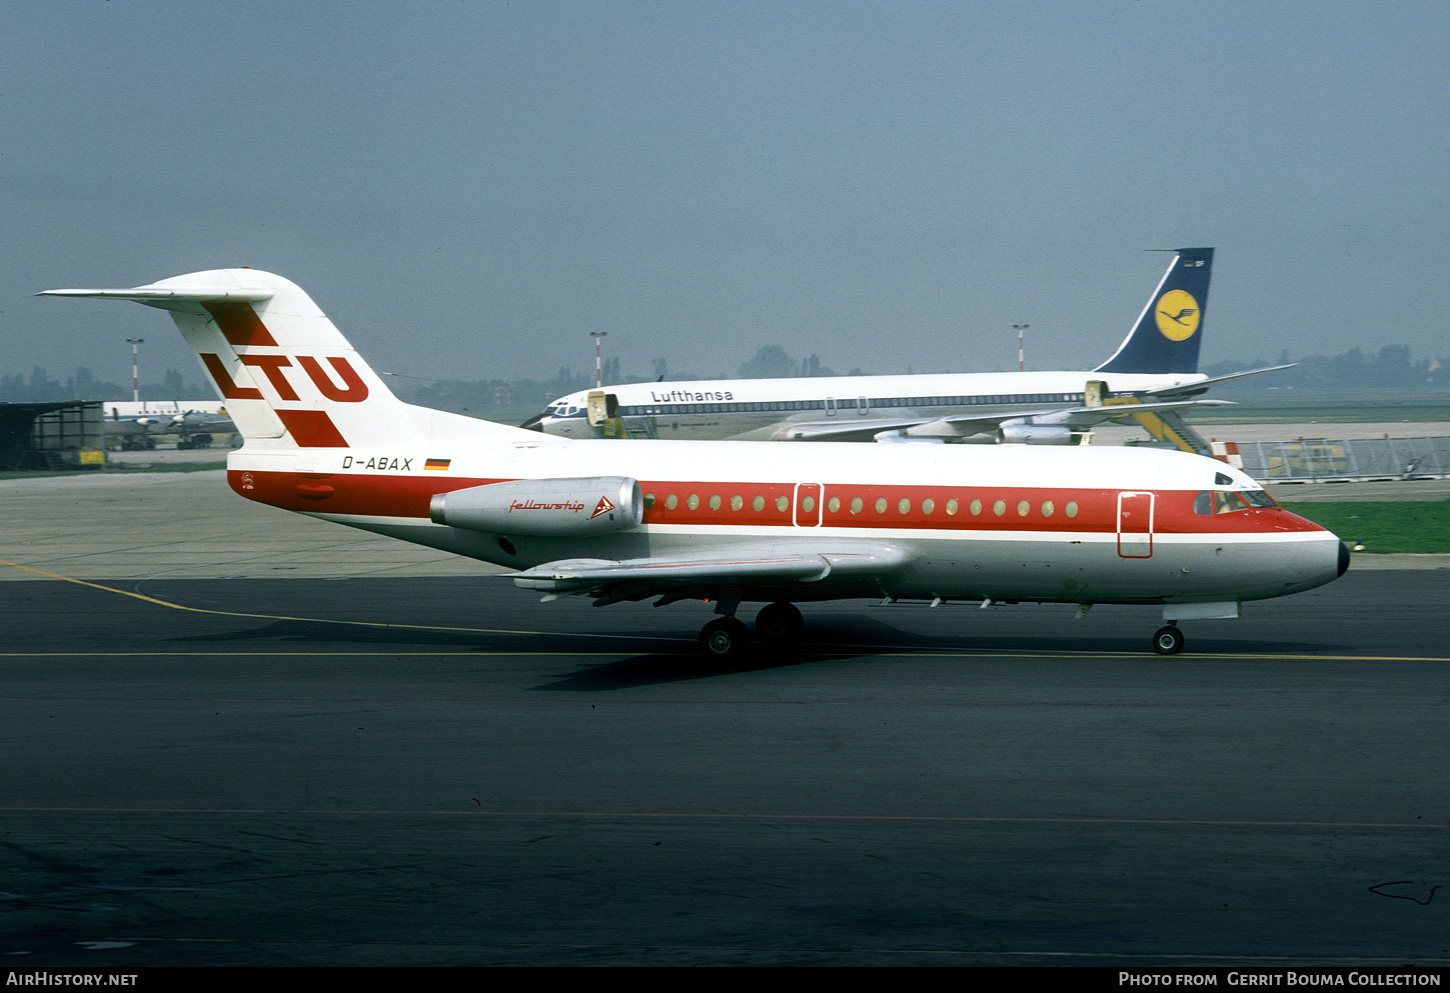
x: 177, y: 294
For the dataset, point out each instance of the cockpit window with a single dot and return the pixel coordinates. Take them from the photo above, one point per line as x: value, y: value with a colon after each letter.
x: 1227, y: 502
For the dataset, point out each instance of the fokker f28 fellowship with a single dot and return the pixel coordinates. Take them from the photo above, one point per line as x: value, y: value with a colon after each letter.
x: 1152, y: 378
x: 727, y: 522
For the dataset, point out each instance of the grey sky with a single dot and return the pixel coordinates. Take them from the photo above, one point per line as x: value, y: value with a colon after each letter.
x: 468, y: 188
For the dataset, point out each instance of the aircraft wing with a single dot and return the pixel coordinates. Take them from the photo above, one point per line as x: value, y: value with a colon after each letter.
x: 1190, y: 389
x: 708, y: 575
x: 847, y: 430
x: 964, y: 425
x: 1082, y: 417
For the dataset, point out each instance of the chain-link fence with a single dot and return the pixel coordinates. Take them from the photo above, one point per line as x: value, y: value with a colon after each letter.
x: 1346, y: 458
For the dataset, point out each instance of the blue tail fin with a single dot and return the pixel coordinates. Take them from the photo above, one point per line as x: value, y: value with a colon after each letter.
x: 1166, y: 336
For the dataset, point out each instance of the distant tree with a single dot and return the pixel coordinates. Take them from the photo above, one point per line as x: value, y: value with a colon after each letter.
x: 771, y: 362
x: 813, y: 367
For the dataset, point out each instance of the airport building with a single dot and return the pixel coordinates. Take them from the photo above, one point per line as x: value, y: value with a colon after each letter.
x: 51, y: 436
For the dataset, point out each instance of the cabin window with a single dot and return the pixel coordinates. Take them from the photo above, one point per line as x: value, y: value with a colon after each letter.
x: 856, y: 505
x: 758, y: 504
x: 692, y: 502
x: 649, y: 501
x: 1024, y: 507
x: 781, y: 503
x: 880, y: 505
x: 928, y: 505
x: 715, y: 501
x: 1071, y: 508
x: 671, y: 502
x: 903, y: 506
x: 1047, y: 508
x: 833, y: 504
x: 999, y: 508
x: 808, y: 504
x: 952, y: 507
x: 976, y: 507
x: 736, y: 502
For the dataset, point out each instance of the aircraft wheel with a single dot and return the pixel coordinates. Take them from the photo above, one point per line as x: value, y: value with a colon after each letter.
x: 779, y: 623
x: 1168, y: 641
x: 724, y: 638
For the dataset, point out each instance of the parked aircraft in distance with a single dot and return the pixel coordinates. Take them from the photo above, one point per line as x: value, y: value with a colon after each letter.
x: 727, y: 522
x: 1151, y: 377
x: 197, y: 428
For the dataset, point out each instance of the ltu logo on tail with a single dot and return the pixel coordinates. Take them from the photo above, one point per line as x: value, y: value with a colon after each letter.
x: 1178, y: 315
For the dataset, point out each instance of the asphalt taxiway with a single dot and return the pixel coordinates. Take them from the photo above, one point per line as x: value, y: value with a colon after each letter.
x: 224, y: 764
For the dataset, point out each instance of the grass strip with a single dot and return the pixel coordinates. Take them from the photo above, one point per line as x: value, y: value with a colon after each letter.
x: 1415, y: 526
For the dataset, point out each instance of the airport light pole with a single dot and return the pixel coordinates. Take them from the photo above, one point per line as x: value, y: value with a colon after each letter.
x: 135, y: 344
x: 598, y: 365
x: 1020, y: 328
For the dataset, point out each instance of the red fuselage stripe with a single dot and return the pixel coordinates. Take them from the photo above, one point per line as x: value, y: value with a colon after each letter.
x: 1022, y: 508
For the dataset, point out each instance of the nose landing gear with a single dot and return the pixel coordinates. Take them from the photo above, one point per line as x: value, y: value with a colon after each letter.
x: 1168, y: 640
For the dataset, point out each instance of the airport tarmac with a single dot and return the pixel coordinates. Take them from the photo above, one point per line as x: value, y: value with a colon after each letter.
x: 445, y: 771
x: 253, y: 738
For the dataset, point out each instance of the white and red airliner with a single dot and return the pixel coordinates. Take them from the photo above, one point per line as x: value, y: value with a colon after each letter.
x: 727, y: 522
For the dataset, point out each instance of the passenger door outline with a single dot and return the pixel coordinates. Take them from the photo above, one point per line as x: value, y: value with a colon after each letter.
x: 1135, y: 525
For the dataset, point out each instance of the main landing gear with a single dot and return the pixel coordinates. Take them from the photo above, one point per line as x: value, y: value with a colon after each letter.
x: 724, y: 638
x: 777, y: 624
x: 1168, y: 640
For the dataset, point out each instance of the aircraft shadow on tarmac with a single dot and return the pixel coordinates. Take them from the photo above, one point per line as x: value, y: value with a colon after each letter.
x: 670, y: 656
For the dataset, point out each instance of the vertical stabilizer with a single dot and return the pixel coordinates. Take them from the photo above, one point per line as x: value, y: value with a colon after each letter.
x: 1166, y: 336
x: 288, y: 376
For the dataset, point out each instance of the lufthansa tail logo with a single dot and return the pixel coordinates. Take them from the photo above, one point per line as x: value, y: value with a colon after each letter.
x: 1177, y: 313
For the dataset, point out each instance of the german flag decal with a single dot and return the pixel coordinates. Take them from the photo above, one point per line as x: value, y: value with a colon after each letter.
x: 439, y: 464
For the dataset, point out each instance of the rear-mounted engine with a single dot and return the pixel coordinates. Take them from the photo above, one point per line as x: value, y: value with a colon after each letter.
x: 574, y: 506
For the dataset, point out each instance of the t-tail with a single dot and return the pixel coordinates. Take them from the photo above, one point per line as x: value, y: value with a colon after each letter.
x: 1166, y: 336
x: 289, y: 378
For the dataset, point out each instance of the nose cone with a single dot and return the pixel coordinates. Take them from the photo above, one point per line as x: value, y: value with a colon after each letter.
x: 1343, y: 558
x: 535, y: 423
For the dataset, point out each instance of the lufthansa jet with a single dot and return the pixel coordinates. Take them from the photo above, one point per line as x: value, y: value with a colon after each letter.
x: 1151, y: 377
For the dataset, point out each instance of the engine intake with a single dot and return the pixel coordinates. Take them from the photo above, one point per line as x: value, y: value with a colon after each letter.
x: 1034, y: 434
x: 548, y: 507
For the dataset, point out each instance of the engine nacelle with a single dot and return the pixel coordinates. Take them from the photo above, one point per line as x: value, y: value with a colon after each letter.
x: 552, y: 507
x: 1034, y: 434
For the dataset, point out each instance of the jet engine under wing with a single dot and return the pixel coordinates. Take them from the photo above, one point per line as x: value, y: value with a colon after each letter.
x: 965, y: 425
x: 709, y: 575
